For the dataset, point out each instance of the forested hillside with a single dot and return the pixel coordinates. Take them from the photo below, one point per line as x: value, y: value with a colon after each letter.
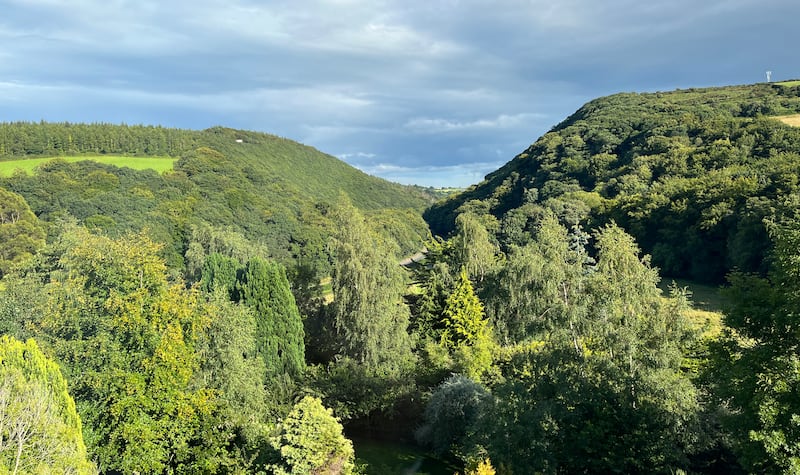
x: 270, y: 189
x: 247, y: 312
x: 691, y: 174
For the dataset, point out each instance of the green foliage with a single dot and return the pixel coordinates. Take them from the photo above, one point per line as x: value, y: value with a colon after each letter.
x: 213, y: 251
x: 370, y: 317
x: 279, y: 330
x: 603, y: 390
x: 273, y: 192
x: 220, y: 273
x: 451, y: 413
x: 466, y: 332
x: 755, y: 370
x: 21, y: 306
x: 230, y: 364
x: 473, y: 248
x: 21, y: 234
x: 311, y: 442
x: 40, y: 431
x: 358, y: 393
x: 690, y: 174
x: 541, y: 285
x: 127, y: 339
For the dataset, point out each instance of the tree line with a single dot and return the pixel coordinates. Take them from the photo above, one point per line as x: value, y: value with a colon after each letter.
x: 561, y: 355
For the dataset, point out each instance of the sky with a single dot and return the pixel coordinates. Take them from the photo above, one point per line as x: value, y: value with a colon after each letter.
x: 435, y: 93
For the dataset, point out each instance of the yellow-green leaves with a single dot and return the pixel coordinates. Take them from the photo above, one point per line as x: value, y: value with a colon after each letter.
x: 40, y: 431
x: 311, y: 442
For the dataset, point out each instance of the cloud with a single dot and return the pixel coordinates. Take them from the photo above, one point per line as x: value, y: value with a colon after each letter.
x: 432, y: 175
x: 433, y: 126
x: 438, y: 89
x: 356, y: 156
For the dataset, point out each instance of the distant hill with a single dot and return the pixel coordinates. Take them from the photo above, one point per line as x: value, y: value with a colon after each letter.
x: 691, y: 174
x: 270, y: 189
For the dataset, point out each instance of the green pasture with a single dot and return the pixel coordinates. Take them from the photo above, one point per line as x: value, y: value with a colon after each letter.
x: 707, y: 304
x: 388, y: 458
x: 789, y: 83
x: 28, y: 165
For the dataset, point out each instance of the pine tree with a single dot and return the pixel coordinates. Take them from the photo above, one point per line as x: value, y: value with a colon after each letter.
x: 466, y: 332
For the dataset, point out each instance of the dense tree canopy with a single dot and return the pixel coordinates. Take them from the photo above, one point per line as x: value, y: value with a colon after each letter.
x: 757, y: 362
x: 689, y: 173
x: 40, y: 430
x: 21, y: 234
x: 199, y: 318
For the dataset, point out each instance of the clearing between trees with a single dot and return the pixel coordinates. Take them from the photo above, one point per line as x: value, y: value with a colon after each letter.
x: 28, y: 165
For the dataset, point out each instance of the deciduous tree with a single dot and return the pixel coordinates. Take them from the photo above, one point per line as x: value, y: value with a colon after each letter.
x: 40, y: 430
x: 370, y: 317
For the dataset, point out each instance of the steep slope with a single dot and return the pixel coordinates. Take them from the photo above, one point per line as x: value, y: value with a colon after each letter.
x: 272, y: 190
x: 691, y: 174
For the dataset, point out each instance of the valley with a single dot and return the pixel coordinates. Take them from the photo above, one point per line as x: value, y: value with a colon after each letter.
x: 229, y: 301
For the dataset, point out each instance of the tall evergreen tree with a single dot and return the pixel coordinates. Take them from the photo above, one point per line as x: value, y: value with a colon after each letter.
x: 466, y: 332
x: 220, y: 272
x: 279, y: 330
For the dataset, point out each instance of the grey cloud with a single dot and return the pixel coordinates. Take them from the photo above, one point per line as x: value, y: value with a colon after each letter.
x: 435, y: 90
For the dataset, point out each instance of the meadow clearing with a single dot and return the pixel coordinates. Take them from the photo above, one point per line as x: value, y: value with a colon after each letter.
x: 28, y: 165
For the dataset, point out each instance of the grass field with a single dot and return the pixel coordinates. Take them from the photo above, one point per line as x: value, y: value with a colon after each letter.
x: 788, y: 83
x: 28, y: 165
x: 386, y: 458
x: 707, y: 305
x: 793, y: 120
x: 703, y: 297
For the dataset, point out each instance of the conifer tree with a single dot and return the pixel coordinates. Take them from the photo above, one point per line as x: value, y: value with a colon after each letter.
x: 311, y: 442
x: 279, y: 330
x: 466, y: 332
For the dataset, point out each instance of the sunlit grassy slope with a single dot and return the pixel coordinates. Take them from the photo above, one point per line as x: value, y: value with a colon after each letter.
x: 28, y: 165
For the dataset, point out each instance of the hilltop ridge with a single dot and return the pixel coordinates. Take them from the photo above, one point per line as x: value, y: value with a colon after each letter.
x: 691, y: 174
x: 270, y: 189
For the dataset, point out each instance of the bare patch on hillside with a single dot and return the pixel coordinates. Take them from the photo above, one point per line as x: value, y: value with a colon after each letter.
x: 793, y: 120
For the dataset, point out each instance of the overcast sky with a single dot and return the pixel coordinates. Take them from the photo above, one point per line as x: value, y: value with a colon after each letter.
x: 435, y: 92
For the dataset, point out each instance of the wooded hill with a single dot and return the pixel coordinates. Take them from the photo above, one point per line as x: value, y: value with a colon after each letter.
x: 691, y: 174
x: 271, y: 190
x: 244, y: 312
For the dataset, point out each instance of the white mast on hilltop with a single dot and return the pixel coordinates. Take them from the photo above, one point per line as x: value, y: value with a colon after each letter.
x: 769, y: 76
